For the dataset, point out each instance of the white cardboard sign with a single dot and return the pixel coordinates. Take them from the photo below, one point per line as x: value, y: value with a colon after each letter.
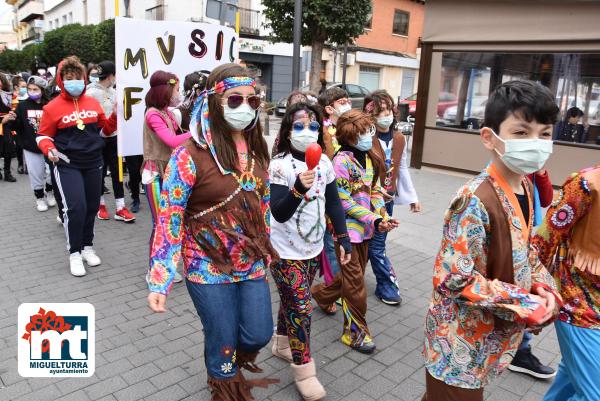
x: 143, y: 47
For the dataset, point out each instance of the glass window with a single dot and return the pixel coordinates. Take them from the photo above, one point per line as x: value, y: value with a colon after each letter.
x: 467, y: 78
x: 369, y: 22
x: 400, y: 26
x: 353, y: 90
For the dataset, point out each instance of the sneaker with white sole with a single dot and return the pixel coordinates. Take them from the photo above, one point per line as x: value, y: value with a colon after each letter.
x: 76, y: 264
x: 177, y: 278
x: 42, y: 206
x: 89, y: 255
x: 50, y: 199
x: 59, y: 221
x: 124, y: 215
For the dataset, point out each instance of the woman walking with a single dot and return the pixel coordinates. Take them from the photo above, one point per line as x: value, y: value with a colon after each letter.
x: 215, y: 212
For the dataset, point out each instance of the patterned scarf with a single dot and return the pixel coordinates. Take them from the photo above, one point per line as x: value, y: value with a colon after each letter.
x: 200, y: 114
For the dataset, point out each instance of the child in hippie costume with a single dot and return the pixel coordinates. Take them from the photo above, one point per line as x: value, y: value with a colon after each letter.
x: 357, y: 169
x: 392, y: 146
x: 569, y: 244
x: 488, y: 283
x: 214, y: 211
x: 300, y: 198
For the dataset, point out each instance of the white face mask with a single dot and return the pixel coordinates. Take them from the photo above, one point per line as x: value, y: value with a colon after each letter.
x: 175, y: 100
x: 240, y: 117
x: 301, y: 139
x: 342, y: 109
x: 525, y: 156
x: 385, y: 122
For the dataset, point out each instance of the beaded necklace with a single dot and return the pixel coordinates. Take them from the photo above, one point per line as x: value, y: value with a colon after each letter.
x: 316, y: 230
x: 247, y: 181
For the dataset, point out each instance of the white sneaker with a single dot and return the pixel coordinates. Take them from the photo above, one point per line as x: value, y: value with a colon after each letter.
x: 50, y: 199
x: 89, y: 255
x: 42, y: 206
x: 76, y: 264
x: 177, y: 278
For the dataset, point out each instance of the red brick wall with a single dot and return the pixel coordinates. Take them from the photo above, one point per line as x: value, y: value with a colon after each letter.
x: 380, y: 36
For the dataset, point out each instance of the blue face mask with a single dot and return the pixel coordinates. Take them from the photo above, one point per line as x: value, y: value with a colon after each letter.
x: 74, y: 87
x: 365, y: 143
x: 22, y: 91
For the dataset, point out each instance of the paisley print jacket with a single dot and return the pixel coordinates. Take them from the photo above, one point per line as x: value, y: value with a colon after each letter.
x: 482, y: 276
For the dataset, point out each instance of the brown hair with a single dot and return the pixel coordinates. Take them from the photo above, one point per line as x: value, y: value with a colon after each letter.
x: 223, y: 142
x: 349, y: 127
x: 331, y: 95
x: 375, y: 100
x: 72, y: 64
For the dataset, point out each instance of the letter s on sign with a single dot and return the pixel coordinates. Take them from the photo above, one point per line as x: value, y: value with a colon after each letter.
x: 197, y: 36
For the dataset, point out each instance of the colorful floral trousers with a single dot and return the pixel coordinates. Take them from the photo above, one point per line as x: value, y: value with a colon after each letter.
x: 293, y: 279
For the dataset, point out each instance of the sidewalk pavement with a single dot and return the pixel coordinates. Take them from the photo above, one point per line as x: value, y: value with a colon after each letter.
x: 146, y: 356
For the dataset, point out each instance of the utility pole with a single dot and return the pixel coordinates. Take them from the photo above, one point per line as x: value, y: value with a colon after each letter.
x: 345, y: 63
x: 297, y: 44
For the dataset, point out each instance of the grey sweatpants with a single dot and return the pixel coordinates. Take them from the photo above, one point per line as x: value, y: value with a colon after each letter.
x: 39, y: 172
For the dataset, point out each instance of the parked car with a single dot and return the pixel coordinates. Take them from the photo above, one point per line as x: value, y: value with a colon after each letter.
x: 356, y: 94
x: 477, y: 111
x: 445, y: 100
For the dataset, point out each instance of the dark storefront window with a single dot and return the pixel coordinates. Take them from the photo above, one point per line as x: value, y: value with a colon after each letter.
x: 470, y: 77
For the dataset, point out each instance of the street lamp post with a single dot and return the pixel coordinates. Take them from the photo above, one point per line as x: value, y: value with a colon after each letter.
x: 297, y: 43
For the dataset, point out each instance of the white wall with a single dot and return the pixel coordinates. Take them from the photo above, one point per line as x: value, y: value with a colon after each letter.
x: 52, y: 12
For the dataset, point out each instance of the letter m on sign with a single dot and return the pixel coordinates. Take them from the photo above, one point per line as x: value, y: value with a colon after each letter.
x: 140, y: 57
x: 55, y: 339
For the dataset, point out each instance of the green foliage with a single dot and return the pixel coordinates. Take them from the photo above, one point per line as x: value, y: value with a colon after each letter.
x: 104, y: 40
x: 91, y: 43
x: 338, y: 21
x: 79, y: 41
x: 54, y: 43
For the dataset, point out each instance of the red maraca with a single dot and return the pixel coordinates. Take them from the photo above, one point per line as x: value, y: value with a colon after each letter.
x: 313, y: 155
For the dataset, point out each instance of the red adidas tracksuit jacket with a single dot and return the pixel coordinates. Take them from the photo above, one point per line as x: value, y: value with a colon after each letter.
x: 59, y: 128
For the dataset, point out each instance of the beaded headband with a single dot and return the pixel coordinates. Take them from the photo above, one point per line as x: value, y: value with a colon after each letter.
x: 200, y: 114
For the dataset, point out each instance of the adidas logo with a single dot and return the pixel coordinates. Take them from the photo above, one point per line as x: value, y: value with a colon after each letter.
x: 82, y: 114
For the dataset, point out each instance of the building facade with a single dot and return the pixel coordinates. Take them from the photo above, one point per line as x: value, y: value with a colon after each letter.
x: 466, y: 53
x: 28, y: 21
x: 386, y: 56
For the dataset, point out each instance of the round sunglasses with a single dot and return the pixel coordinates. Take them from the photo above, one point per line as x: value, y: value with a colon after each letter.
x: 313, y: 126
x: 234, y: 101
x: 371, y: 131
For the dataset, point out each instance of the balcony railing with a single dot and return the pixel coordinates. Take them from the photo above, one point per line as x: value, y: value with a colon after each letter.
x: 30, y: 10
x: 250, y: 21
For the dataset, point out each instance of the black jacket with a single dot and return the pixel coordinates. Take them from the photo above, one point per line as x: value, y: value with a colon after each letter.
x: 29, y: 114
x: 565, y: 131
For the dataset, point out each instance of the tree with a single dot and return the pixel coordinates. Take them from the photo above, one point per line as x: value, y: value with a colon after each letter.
x: 79, y: 41
x: 54, y: 49
x: 334, y: 21
x: 104, y: 40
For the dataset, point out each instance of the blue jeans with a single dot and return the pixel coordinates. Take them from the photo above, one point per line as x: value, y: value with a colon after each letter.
x: 579, y: 368
x: 527, y: 336
x: 236, y: 318
x: 387, y: 285
x: 330, y: 252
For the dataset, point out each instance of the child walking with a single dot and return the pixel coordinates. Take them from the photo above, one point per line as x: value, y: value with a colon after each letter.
x: 300, y: 199
x: 569, y: 244
x: 26, y: 121
x: 358, y: 170
x: 392, y: 146
x: 488, y: 284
